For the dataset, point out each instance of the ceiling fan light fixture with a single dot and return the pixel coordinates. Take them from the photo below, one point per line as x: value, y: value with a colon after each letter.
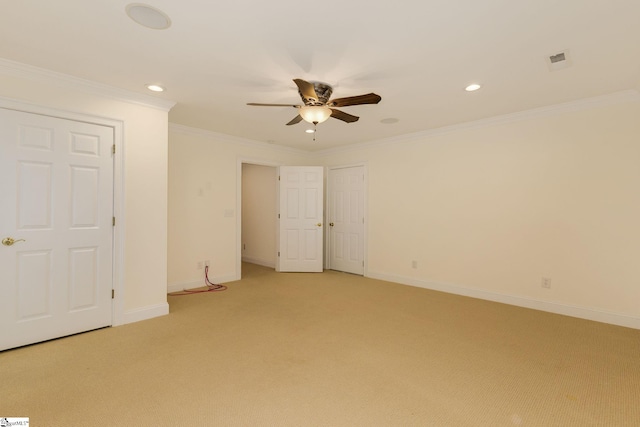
x: 315, y: 113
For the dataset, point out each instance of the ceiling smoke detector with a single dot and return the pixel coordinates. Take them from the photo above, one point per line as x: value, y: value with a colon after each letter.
x: 559, y: 60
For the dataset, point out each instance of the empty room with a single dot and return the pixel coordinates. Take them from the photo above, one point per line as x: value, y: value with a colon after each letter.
x: 320, y: 214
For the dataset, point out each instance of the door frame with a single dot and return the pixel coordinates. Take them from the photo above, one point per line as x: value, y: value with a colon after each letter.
x: 365, y: 211
x: 240, y: 161
x: 117, y: 303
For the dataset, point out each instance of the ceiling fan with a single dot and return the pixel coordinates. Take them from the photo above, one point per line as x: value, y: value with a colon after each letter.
x: 318, y: 106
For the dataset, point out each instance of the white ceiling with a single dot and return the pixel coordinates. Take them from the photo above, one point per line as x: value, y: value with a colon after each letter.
x: 418, y: 55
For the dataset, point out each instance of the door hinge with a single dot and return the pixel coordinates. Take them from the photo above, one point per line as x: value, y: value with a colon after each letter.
x: 113, y: 149
x: 113, y: 221
x: 278, y: 177
x: 278, y: 253
x: 113, y: 293
x: 278, y: 216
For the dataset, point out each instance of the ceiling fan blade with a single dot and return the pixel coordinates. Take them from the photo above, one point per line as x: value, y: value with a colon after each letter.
x: 341, y: 115
x: 296, y: 119
x: 306, y: 89
x: 369, y: 98
x: 255, y: 104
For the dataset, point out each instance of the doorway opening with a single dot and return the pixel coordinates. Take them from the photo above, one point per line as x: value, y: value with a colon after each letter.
x: 293, y: 243
x: 259, y: 214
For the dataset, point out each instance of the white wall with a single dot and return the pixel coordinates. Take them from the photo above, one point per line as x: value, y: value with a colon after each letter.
x: 259, y: 214
x: 205, y: 174
x: 488, y: 210
x: 142, y: 277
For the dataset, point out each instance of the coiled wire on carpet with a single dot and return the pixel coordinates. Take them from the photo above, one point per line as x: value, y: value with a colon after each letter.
x: 211, y: 287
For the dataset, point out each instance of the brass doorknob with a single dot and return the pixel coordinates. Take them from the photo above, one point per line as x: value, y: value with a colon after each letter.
x: 331, y: 224
x: 9, y: 241
x: 319, y: 224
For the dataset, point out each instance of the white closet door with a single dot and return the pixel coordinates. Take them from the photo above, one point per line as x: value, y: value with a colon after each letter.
x: 56, y: 187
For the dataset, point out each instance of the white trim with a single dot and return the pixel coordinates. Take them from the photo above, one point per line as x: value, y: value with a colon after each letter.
x: 118, y: 188
x: 239, y: 162
x: 17, y: 69
x: 20, y: 105
x: 548, y: 306
x: 145, y: 313
x: 177, y: 287
x: 119, y: 229
x: 632, y: 95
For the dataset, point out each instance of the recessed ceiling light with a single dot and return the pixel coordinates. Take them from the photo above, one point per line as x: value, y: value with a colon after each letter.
x: 155, y: 88
x: 148, y: 16
x: 389, y: 120
x: 310, y: 131
x: 472, y: 87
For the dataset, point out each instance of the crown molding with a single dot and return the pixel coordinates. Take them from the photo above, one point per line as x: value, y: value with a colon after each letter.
x: 632, y: 95
x: 234, y: 140
x: 17, y: 69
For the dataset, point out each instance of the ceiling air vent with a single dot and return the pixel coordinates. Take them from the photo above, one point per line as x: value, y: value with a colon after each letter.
x: 558, y: 57
x: 559, y: 60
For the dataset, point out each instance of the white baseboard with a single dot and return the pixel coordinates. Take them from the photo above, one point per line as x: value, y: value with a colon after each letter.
x: 258, y: 261
x: 177, y: 287
x: 145, y: 313
x: 551, y: 307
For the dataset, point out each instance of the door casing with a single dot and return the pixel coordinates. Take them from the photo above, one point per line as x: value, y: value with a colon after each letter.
x: 118, y: 313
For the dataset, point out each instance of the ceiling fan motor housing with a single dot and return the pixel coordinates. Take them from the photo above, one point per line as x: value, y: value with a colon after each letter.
x: 323, y: 91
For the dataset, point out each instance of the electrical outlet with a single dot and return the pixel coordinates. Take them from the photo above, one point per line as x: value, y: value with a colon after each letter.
x: 414, y: 264
x: 200, y: 265
x: 546, y: 282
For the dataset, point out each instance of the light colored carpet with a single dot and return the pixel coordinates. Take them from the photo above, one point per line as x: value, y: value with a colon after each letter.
x: 330, y: 349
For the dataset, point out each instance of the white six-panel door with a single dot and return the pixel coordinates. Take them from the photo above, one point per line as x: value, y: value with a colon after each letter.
x: 346, y: 219
x: 56, y: 187
x: 300, y: 236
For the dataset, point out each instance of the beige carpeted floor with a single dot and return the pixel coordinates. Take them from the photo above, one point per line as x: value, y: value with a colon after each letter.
x: 330, y: 349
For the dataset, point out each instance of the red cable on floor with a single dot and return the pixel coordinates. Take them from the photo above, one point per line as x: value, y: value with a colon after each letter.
x: 211, y: 287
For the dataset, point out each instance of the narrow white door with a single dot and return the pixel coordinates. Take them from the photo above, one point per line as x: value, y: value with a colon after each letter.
x: 56, y: 187
x: 346, y: 219
x: 300, y: 224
